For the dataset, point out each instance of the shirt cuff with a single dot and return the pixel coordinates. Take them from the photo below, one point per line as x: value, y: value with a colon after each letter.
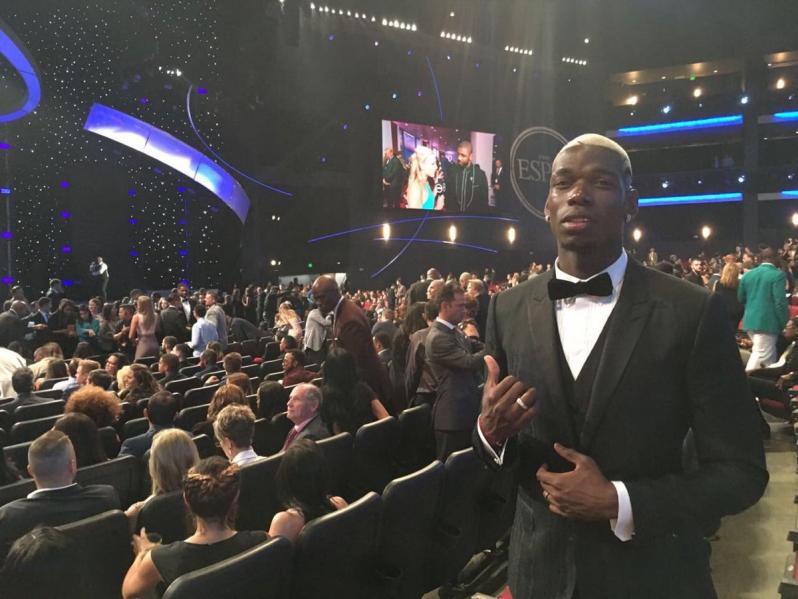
x: 498, y: 458
x: 624, y: 525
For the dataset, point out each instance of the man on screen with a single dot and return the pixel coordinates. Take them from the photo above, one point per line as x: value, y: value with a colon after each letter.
x: 392, y: 175
x: 466, y: 182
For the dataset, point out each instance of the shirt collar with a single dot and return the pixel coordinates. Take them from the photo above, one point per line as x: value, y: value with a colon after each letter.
x: 616, y: 271
x: 244, y: 456
x: 445, y: 323
x: 301, y: 426
x: 38, y: 492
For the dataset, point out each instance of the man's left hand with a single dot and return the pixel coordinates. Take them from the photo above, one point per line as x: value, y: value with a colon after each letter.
x: 583, y: 493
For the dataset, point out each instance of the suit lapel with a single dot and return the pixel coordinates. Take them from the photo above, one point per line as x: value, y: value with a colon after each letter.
x: 625, y: 326
x: 545, y: 336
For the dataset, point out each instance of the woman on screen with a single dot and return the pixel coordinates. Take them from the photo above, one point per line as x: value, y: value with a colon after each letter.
x: 423, y: 168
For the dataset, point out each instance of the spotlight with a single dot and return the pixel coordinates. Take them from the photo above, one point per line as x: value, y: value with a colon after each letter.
x: 632, y: 100
x: 781, y: 83
x: 744, y: 100
x: 706, y: 232
x: 665, y: 184
x: 697, y: 92
x: 511, y: 234
x: 795, y: 219
x: 587, y: 40
x: 273, y: 262
x: 666, y: 109
x: 386, y: 232
x: 452, y: 233
x: 637, y: 235
x: 741, y: 179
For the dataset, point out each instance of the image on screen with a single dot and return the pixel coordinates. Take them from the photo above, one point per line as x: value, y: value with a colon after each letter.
x: 436, y: 168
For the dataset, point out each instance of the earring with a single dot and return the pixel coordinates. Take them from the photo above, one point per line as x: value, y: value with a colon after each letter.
x: 547, y: 218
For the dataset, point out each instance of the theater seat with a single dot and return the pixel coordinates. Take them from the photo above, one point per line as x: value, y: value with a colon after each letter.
x: 183, y: 385
x: 409, y: 526
x: 104, y: 540
x: 374, y: 463
x: 17, y: 490
x: 278, y: 431
x: 39, y: 410
x: 135, y: 427
x: 190, y: 370
x: 257, y: 501
x: 205, y: 446
x: 262, y: 572
x: 124, y: 474
x: 190, y: 417
x: 30, y: 429
x: 271, y: 351
x: 198, y: 396
x: 338, y: 452
x: 47, y: 384
x: 270, y: 366
x: 110, y: 441
x: 167, y: 515
x: 335, y: 554
x: 251, y: 369
x: 18, y: 455
x: 249, y: 347
x: 416, y: 440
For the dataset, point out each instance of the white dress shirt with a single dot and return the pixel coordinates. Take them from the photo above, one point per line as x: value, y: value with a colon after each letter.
x: 244, y: 457
x: 580, y: 321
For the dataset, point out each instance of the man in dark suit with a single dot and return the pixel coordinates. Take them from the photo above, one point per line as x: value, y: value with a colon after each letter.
x: 697, y: 272
x: 22, y: 383
x: 173, y: 320
x: 382, y: 345
x: 610, y: 364
x: 12, y: 327
x: 169, y: 366
x: 352, y: 332
x: 58, y: 499
x: 419, y: 382
x: 478, y: 292
x: 186, y: 303
x: 303, y: 409
x: 160, y: 412
x: 418, y: 290
x: 456, y: 373
x: 392, y: 178
x: 498, y: 184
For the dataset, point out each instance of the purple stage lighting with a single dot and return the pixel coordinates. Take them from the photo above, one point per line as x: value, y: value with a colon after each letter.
x: 68, y: 282
x: 64, y: 184
x: 202, y: 91
x: 134, y: 253
x: 181, y: 189
x: 183, y: 253
x: 132, y: 221
x: 144, y: 100
x: 7, y: 235
x: 6, y: 191
x: 67, y: 249
x: 5, y: 146
x: 162, y: 146
x: 131, y: 192
x: 8, y: 280
x: 17, y: 56
x: 65, y: 215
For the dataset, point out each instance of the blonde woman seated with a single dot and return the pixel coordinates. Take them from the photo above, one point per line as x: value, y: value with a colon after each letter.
x: 302, y: 485
x: 420, y: 192
x: 288, y: 322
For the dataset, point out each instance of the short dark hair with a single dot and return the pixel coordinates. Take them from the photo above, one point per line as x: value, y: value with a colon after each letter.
x: 232, y: 362
x: 448, y: 293
x: 162, y: 408
x: 200, y: 310
x: 431, y: 310
x: 170, y: 341
x: 22, y: 380
x: 208, y: 356
x: 290, y: 342
x: 299, y: 356
x: 384, y: 339
x: 183, y: 349
x: 171, y: 361
x: 101, y: 378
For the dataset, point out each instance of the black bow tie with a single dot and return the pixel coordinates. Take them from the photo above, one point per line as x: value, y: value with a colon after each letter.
x: 599, y: 286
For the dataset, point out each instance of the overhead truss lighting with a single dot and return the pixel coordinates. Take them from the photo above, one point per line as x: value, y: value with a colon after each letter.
x: 517, y: 50
x: 577, y: 61
x: 456, y: 37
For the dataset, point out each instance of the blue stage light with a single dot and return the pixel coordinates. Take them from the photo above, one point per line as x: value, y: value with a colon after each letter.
x: 6, y: 191
x: 8, y: 280
x: 709, y: 198
x: 16, y: 55
x: 7, y: 235
x: 66, y: 249
x: 678, y: 126
x: 792, y: 193
x: 4, y: 146
x: 786, y: 116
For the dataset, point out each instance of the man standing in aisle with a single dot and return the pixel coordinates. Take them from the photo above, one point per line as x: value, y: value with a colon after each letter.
x: 763, y: 291
x: 605, y: 507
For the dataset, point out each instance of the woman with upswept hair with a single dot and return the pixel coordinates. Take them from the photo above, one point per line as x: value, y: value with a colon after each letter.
x: 142, y: 328
x: 420, y: 193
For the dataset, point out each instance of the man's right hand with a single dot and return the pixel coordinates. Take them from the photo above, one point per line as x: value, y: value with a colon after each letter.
x: 501, y: 416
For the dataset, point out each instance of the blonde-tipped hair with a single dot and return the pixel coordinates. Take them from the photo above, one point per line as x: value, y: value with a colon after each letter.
x: 594, y: 139
x: 172, y: 454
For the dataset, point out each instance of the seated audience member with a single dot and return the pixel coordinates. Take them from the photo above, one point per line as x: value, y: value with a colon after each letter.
x: 72, y: 372
x: 234, y: 428
x: 44, y: 550
x: 223, y: 397
x: 160, y: 412
x: 86, y: 326
x: 348, y: 403
x: 183, y: 353
x: 382, y: 345
x: 116, y: 362
x: 303, y: 481
x: 217, y: 347
x: 101, y: 406
x: 169, y: 365
x: 287, y: 343
x: 137, y: 383
x: 271, y: 399
x: 56, y: 369
x: 385, y: 324
x: 42, y: 357
x: 294, y: 369
x: 168, y: 344
x: 231, y: 363
x: 304, y: 406
x: 58, y: 499
x: 207, y: 362
x: 211, y: 493
x: 202, y: 331
x: 86, y: 442
x: 85, y: 368
x: 22, y: 384
x: 172, y: 454
x: 101, y: 378
x: 83, y: 350
x: 240, y: 379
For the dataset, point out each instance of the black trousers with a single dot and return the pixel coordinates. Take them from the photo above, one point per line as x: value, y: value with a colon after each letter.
x: 447, y: 442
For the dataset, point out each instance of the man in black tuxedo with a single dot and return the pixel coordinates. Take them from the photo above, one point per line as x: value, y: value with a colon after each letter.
x: 186, y: 303
x: 173, y: 320
x: 455, y: 371
x: 498, y: 184
x: 22, y: 383
x: 610, y: 364
x: 418, y: 290
x: 12, y: 327
x: 58, y: 499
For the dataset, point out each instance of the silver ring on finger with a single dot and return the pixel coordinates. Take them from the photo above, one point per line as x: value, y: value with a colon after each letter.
x: 521, y: 404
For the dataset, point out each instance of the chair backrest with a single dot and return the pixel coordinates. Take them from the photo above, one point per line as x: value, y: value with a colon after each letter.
x: 110, y: 441
x: 323, y: 569
x: 217, y: 373
x: 183, y: 385
x: 190, y: 417
x: 167, y: 515
x: 251, y: 369
x: 123, y: 473
x: 274, y: 376
x: 50, y: 393
x: 147, y: 360
x: 269, y: 366
x: 192, y: 360
x: 157, y: 375
x: 18, y: 455
x: 30, y: 429
x: 249, y: 347
x: 257, y: 501
x: 235, y: 346
x: 338, y: 452
x: 408, y: 527
x: 199, y: 396
x: 39, y: 410
x: 190, y: 370
x: 261, y: 438
x: 17, y: 490
x: 48, y: 383
x: 278, y: 431
x: 375, y: 456
x: 416, y: 439
x: 262, y: 572
x: 5, y: 421
x: 205, y: 446
x: 130, y: 411
x: 142, y: 404
x: 313, y: 367
x: 104, y: 540
x: 137, y: 426
x: 271, y: 350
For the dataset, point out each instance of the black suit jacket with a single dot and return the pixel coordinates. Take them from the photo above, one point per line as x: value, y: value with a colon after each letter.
x: 53, y: 508
x: 418, y: 291
x: 23, y: 399
x: 12, y: 327
x: 669, y: 364
x: 174, y: 322
x: 455, y: 371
